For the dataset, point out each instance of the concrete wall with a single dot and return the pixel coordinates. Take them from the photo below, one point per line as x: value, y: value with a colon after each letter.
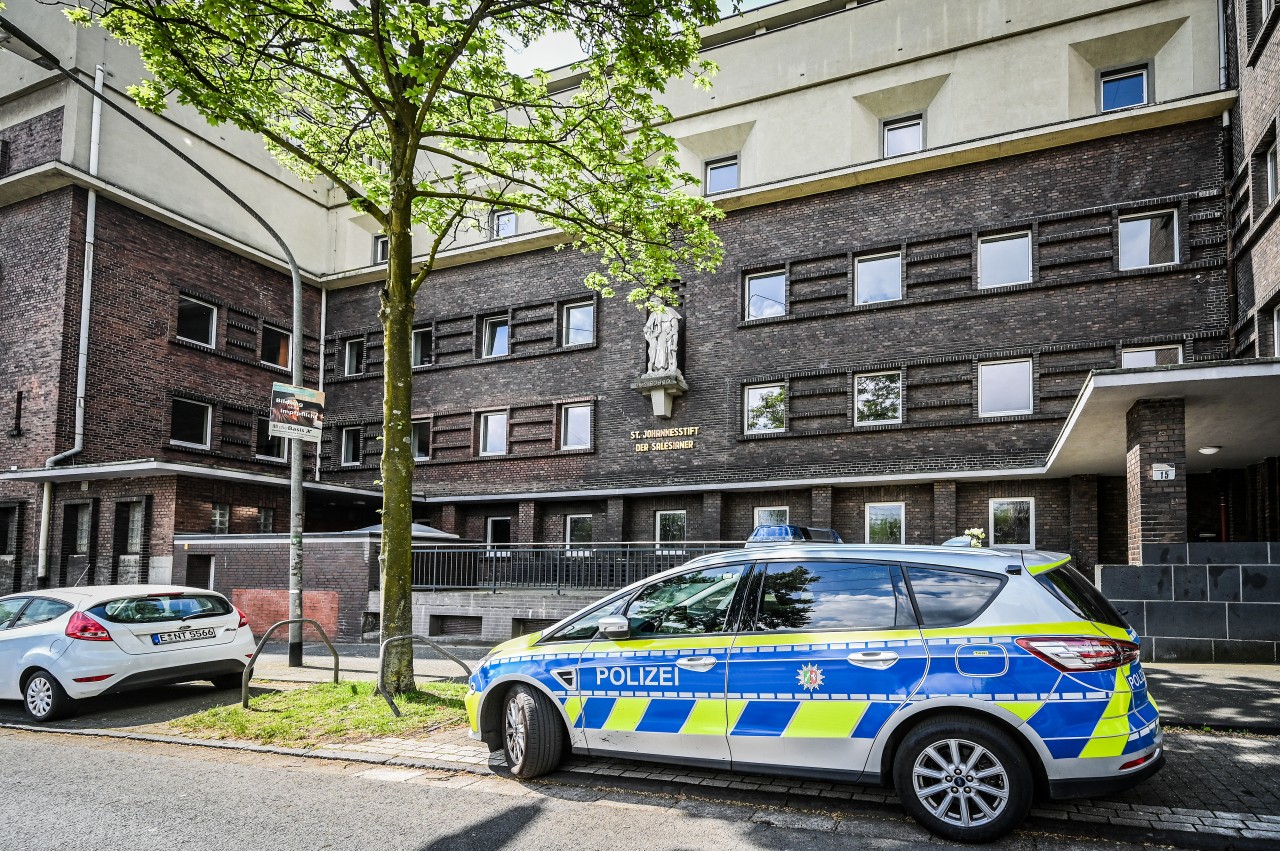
x: 1200, y: 612
x: 500, y: 613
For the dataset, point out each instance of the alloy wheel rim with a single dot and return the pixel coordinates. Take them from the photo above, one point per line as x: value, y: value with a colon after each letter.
x: 515, y: 732
x: 39, y: 696
x: 960, y: 783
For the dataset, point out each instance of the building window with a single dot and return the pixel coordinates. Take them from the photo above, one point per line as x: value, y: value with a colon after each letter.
x: 220, y: 518
x: 275, y: 346
x: 191, y: 424
x: 497, y: 337
x: 579, y: 324
x: 1275, y: 331
x: 1149, y: 240
x: 420, y: 437
x: 266, y: 521
x: 904, y: 136
x: 1004, y: 260
x: 493, y: 434
x: 1124, y: 88
x: 421, y: 346
x: 1004, y: 387
x: 669, y: 527
x: 1013, y: 523
x: 502, y: 224
x: 575, y: 427
x: 773, y: 515
x: 381, y: 248
x: 722, y: 175
x: 353, y: 357
x: 497, y: 532
x: 1152, y: 356
x: 1272, y: 166
x: 879, y: 398
x: 133, y: 519
x: 766, y: 295
x: 878, y: 278
x: 82, y: 526
x: 352, y: 438
x: 577, y: 530
x: 8, y: 530
x: 764, y: 408
x: 197, y: 321
x: 266, y: 445
x: 886, y: 522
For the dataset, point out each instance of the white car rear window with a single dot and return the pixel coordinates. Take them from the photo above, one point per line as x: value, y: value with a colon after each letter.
x: 161, y: 608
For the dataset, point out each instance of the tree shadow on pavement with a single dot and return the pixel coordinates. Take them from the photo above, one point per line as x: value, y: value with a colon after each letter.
x: 1224, y: 699
x: 491, y: 834
x: 133, y: 709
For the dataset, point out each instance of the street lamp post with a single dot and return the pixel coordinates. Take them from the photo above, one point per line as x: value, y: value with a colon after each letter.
x: 20, y: 44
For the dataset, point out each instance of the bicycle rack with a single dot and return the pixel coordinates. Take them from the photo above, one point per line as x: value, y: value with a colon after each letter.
x: 382, y: 663
x: 248, y: 669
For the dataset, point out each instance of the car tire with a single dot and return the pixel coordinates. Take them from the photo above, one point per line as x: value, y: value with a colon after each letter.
x: 532, y: 733
x: 988, y: 798
x: 44, y: 698
x: 226, y: 682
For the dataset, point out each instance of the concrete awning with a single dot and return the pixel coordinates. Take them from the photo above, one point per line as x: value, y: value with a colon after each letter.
x: 417, y: 531
x: 1232, y: 404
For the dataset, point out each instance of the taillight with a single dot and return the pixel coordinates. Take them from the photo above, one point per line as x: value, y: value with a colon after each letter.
x: 85, y: 628
x: 1079, y: 653
x: 244, y: 619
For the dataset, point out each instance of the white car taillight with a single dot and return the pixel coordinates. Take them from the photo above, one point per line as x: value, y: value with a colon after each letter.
x: 1079, y: 653
x: 244, y: 619
x: 85, y: 628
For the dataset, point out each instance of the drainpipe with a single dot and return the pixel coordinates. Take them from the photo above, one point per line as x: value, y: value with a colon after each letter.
x: 82, y: 357
x: 324, y: 321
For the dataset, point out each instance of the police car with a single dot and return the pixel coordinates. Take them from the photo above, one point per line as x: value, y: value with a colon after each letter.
x: 971, y: 680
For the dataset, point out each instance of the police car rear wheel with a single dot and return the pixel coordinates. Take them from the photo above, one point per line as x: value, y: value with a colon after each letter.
x: 963, y: 779
x: 532, y: 735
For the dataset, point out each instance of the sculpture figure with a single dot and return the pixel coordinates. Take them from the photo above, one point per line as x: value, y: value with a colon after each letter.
x: 662, y: 332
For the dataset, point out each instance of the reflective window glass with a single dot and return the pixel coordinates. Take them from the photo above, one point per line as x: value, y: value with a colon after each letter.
x: 1004, y: 260
x: 831, y: 596
x: 879, y: 278
x: 1124, y: 88
x: 947, y: 597
x: 766, y: 295
x: 1148, y: 240
x: 690, y: 604
x: 1004, y: 387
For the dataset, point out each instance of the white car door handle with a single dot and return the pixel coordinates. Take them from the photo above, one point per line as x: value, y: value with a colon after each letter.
x: 879, y: 659
x: 697, y: 663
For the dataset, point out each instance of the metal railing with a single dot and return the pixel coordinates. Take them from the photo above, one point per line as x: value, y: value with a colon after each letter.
x: 596, y: 566
x: 253, y: 660
x: 411, y: 638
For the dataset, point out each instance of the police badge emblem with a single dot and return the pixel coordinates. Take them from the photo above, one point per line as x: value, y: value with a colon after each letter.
x: 810, y: 676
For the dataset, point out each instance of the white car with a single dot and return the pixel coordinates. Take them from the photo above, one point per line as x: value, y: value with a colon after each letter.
x: 61, y: 645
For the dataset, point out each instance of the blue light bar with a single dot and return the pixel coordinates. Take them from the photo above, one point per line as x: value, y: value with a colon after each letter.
x: 790, y: 534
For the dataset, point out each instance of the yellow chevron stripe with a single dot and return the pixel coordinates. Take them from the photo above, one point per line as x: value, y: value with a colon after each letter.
x: 573, y: 708
x: 1112, y: 731
x: 626, y: 714
x: 709, y: 718
x: 1037, y: 569
x: 1024, y: 709
x: 823, y: 719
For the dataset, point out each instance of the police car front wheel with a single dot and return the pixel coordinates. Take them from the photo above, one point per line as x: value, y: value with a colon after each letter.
x: 532, y: 733
x: 963, y: 779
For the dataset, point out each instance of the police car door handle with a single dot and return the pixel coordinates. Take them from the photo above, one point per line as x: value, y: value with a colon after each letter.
x: 697, y: 663
x: 879, y: 659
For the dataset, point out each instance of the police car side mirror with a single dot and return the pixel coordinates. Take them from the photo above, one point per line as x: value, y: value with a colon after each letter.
x: 615, y: 626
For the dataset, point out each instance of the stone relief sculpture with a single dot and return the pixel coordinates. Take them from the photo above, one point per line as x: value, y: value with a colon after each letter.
x: 662, y: 381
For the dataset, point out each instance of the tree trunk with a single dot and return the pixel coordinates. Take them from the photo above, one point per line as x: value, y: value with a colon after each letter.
x: 397, y: 456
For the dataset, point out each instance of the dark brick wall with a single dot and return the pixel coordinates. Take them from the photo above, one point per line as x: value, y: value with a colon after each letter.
x: 1074, y: 318
x: 1157, y: 510
x: 1052, y: 508
x: 32, y: 142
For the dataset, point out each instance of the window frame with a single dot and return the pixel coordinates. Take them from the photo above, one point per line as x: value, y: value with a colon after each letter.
x: 487, y: 342
x: 213, y: 518
x: 497, y: 217
x: 908, y: 566
x: 348, y: 346
x: 414, y: 426
x: 1271, y: 171
x: 1006, y: 237
x: 746, y: 293
x: 357, y: 446
x: 755, y: 514
x: 381, y: 248
x: 669, y: 547
x: 1031, y: 387
x: 1177, y: 238
x: 866, y: 522
x: 857, y: 277
x: 262, y: 339
x: 213, y: 322
x: 566, y: 327
x: 721, y: 162
x: 265, y: 512
x: 489, y: 543
x: 991, y: 521
x: 1119, y: 73
x: 746, y: 408
x: 483, y: 431
x: 416, y: 348
x: 260, y: 424
x: 890, y: 124
x: 564, y: 426
x: 208, y: 424
x: 569, y: 543
x: 1132, y: 349
x: 750, y: 610
x: 857, y: 420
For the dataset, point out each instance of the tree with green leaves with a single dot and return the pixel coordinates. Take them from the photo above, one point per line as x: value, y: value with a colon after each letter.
x: 410, y: 108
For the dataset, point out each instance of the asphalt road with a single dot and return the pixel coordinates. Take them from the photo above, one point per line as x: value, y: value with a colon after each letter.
x: 82, y: 792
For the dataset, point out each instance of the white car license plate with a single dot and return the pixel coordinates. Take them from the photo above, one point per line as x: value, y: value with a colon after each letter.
x: 176, y: 637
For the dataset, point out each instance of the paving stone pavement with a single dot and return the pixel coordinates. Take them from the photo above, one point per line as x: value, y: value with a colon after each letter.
x: 1213, y: 785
